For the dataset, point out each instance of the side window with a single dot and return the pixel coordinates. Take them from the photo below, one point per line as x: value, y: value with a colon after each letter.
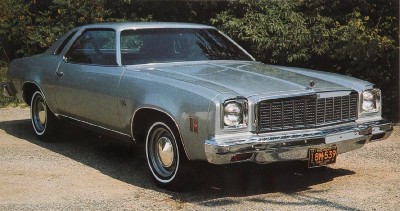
x: 64, y: 43
x: 131, y: 47
x: 94, y: 46
x: 131, y: 42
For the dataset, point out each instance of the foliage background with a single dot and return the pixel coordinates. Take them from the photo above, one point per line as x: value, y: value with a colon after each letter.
x: 357, y: 38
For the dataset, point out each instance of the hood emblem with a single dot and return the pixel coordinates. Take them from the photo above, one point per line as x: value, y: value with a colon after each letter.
x: 311, y: 84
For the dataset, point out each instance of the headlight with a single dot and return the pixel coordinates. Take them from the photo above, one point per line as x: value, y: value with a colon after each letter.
x: 371, y: 101
x: 235, y: 114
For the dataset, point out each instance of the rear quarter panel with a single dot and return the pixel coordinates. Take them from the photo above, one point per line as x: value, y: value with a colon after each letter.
x: 39, y: 70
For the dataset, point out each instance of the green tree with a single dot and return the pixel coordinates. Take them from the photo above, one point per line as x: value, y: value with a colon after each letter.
x: 273, y: 30
x: 356, y: 38
x: 30, y: 27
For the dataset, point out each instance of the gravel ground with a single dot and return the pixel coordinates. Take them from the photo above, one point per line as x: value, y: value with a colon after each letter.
x: 84, y: 171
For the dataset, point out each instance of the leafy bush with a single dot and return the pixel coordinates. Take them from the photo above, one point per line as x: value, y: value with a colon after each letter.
x: 356, y: 38
x: 6, y: 101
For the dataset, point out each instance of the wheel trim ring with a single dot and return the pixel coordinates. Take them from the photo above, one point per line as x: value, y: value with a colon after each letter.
x: 39, y: 113
x: 155, y: 157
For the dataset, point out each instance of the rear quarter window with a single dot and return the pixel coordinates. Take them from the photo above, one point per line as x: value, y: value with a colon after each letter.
x: 94, y: 46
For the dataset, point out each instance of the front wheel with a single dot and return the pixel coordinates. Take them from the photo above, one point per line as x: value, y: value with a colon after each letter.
x: 165, y: 157
x: 43, y: 120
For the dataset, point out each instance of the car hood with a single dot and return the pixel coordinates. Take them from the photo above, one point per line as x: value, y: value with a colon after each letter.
x: 251, y: 78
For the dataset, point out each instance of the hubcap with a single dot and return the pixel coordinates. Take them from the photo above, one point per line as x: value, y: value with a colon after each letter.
x: 165, y: 151
x: 41, y: 113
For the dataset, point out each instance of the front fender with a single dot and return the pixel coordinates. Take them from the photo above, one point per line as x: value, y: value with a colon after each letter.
x: 177, y: 99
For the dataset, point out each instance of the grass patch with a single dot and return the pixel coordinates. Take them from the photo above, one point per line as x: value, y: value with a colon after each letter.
x: 6, y: 101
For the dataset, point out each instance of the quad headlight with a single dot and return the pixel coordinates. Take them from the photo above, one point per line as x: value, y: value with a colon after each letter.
x: 371, y: 101
x: 235, y: 114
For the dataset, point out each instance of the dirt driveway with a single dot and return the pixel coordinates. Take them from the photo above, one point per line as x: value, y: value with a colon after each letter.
x: 84, y: 171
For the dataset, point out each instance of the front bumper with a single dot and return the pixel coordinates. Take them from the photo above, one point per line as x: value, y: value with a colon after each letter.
x: 293, y: 145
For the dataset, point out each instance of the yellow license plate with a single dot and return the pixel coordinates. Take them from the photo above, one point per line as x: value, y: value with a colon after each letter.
x: 321, y: 157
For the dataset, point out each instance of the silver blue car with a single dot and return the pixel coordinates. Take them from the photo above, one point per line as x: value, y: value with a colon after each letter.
x: 187, y: 92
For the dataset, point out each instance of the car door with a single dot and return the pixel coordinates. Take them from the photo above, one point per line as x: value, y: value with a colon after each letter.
x: 88, y: 79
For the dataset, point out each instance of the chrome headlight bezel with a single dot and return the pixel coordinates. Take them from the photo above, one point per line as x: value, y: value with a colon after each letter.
x: 235, y: 114
x: 370, y: 102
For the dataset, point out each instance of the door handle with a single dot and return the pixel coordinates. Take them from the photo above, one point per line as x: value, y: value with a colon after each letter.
x: 59, y: 74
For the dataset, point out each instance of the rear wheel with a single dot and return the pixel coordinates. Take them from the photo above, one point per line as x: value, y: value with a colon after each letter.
x: 165, y: 157
x: 43, y: 120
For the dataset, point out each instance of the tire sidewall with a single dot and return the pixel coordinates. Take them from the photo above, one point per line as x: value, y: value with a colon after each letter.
x: 157, y: 177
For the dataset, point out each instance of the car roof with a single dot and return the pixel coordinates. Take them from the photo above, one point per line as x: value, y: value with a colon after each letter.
x: 146, y: 25
x: 119, y: 26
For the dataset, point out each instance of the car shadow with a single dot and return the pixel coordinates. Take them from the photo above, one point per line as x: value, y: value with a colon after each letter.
x: 212, y: 185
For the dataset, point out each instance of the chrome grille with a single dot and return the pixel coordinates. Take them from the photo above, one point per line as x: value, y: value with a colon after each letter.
x: 306, y: 112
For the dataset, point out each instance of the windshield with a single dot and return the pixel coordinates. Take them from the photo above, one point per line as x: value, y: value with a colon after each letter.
x: 175, y: 45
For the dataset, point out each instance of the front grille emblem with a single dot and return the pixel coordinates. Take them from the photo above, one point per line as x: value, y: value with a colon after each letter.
x: 311, y: 84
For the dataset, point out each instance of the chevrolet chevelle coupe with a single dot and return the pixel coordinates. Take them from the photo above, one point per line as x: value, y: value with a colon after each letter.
x: 187, y: 92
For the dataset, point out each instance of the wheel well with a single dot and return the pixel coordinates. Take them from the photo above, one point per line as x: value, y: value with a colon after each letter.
x: 145, y: 117
x: 28, y: 89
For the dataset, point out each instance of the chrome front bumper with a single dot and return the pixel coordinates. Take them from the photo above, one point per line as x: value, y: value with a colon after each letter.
x: 293, y: 145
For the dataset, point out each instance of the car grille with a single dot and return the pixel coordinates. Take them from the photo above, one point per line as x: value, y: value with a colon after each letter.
x: 306, y: 112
